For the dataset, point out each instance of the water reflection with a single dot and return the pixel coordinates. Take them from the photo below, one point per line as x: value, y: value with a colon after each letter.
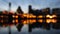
x: 34, y: 23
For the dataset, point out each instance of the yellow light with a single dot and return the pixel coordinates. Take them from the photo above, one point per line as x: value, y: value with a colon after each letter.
x: 51, y: 20
x: 32, y: 16
x: 48, y: 16
x: 51, y: 16
x: 48, y: 20
x: 25, y: 21
x: 40, y: 16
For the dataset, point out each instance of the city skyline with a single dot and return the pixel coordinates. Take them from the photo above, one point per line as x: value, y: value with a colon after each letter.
x: 36, y: 4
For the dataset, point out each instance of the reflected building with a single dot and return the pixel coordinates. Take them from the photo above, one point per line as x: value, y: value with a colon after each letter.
x: 19, y: 27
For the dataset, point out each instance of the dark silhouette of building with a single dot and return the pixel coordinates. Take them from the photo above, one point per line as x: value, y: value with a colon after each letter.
x: 30, y: 9
x: 38, y: 11
x: 19, y: 27
x: 9, y: 6
x: 46, y: 11
x: 19, y: 10
x: 56, y: 11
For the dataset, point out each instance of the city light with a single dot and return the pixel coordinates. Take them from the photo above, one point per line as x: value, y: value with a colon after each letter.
x: 13, y: 21
x: 51, y: 20
x: 48, y: 20
x: 51, y: 16
x: 16, y: 21
x: 16, y: 16
x: 29, y: 15
x: 31, y: 21
x: 40, y: 16
x: 13, y: 16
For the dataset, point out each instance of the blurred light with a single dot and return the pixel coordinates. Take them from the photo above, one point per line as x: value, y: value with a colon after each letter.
x: 29, y: 21
x: 48, y: 20
x: 40, y: 16
x: 51, y: 16
x: 25, y: 21
x: 16, y: 16
x: 2, y: 21
x: 51, y: 20
x: 1, y: 16
x: 29, y: 15
x: 16, y: 20
x: 54, y: 20
x: 13, y: 21
x: 40, y: 20
x: 13, y: 16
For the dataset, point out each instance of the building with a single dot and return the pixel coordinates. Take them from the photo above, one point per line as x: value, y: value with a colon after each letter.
x: 38, y: 11
x: 9, y: 6
x: 19, y: 10
x: 56, y: 11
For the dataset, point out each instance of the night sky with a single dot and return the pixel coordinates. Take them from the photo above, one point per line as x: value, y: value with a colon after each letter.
x: 36, y: 4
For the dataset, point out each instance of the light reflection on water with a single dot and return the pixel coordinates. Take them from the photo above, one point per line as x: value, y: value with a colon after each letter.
x: 24, y: 30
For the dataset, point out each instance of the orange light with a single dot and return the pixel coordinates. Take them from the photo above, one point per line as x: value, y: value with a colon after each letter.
x: 29, y: 21
x: 2, y: 21
x: 54, y: 20
x: 48, y: 20
x: 54, y: 16
x: 29, y: 15
x: 25, y: 21
x: 16, y: 20
x: 32, y: 21
x: 24, y: 15
x: 40, y: 20
x: 16, y: 16
x: 51, y: 16
x: 51, y: 20
x: 40, y: 16
x: 34, y: 16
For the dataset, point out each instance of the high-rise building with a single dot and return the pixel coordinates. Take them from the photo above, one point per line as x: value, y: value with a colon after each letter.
x: 56, y: 11
x: 19, y: 10
x: 30, y: 9
x: 46, y: 10
x: 9, y: 6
